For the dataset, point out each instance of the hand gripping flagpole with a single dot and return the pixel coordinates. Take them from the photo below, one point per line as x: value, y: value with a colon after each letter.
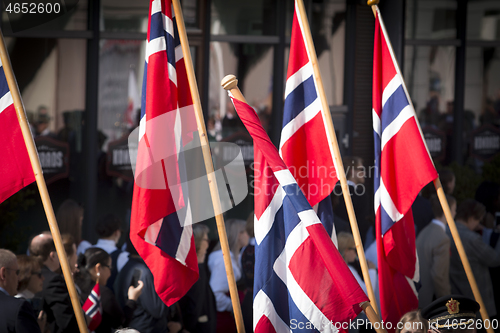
x: 42, y: 187
x: 437, y: 183
x: 209, y: 167
x: 325, y: 109
x: 230, y: 83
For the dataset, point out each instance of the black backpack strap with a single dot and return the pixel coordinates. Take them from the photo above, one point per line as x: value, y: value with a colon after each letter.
x: 114, y: 268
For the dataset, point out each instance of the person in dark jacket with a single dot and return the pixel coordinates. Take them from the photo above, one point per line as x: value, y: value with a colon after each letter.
x: 16, y: 314
x: 56, y: 300
x: 150, y: 316
x: 198, y: 305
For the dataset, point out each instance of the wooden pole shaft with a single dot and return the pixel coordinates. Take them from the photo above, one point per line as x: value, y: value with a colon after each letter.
x: 207, y: 157
x: 373, y: 317
x: 437, y: 182
x: 42, y: 187
x: 461, y: 252
x: 332, y: 137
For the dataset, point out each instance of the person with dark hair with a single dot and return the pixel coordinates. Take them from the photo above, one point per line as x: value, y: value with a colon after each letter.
x: 16, y: 314
x: 71, y: 250
x: 433, y: 248
x: 95, y: 265
x: 109, y: 231
x: 56, y: 300
x: 247, y: 260
x: 150, y: 316
x: 422, y: 213
x: 488, y: 193
x: 70, y: 218
x: 448, y: 180
x: 355, y: 174
x: 198, y: 305
x: 481, y: 256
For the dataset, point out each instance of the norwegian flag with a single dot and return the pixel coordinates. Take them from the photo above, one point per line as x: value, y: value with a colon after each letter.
x: 160, y: 226
x: 93, y: 307
x: 305, y: 143
x: 15, y: 168
x: 301, y: 280
x: 403, y: 168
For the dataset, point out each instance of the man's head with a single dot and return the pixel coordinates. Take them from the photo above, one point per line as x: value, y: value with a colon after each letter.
x: 437, y: 209
x: 42, y: 246
x: 354, y: 169
x: 471, y: 213
x: 109, y: 227
x: 9, y: 271
x: 452, y: 313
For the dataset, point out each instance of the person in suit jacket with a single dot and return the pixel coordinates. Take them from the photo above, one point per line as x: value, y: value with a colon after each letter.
x: 481, y: 255
x: 57, y: 302
x: 16, y: 314
x: 433, y: 248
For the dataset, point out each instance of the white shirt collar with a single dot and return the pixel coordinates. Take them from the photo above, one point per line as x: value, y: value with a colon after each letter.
x: 439, y: 223
x: 25, y: 294
x: 107, y: 245
x: 4, y: 291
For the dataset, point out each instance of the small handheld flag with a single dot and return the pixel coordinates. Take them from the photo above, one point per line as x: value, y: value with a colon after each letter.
x: 93, y: 308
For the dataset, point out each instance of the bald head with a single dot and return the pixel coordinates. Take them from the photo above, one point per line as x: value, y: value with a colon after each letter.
x: 42, y: 246
x: 8, y: 271
x: 6, y: 258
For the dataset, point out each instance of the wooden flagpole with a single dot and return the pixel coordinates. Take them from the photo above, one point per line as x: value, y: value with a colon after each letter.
x: 437, y: 182
x: 42, y: 187
x: 230, y: 83
x: 325, y: 109
x: 209, y: 167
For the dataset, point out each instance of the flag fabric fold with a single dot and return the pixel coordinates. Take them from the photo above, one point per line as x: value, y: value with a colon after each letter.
x: 93, y: 307
x: 305, y: 143
x: 301, y: 280
x: 16, y: 167
x: 160, y: 226
x: 403, y: 168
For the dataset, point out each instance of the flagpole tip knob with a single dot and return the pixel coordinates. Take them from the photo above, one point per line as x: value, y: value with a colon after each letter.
x: 229, y: 82
x: 372, y: 2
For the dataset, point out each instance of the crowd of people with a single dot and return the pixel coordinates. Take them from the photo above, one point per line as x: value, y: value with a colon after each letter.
x: 42, y: 302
